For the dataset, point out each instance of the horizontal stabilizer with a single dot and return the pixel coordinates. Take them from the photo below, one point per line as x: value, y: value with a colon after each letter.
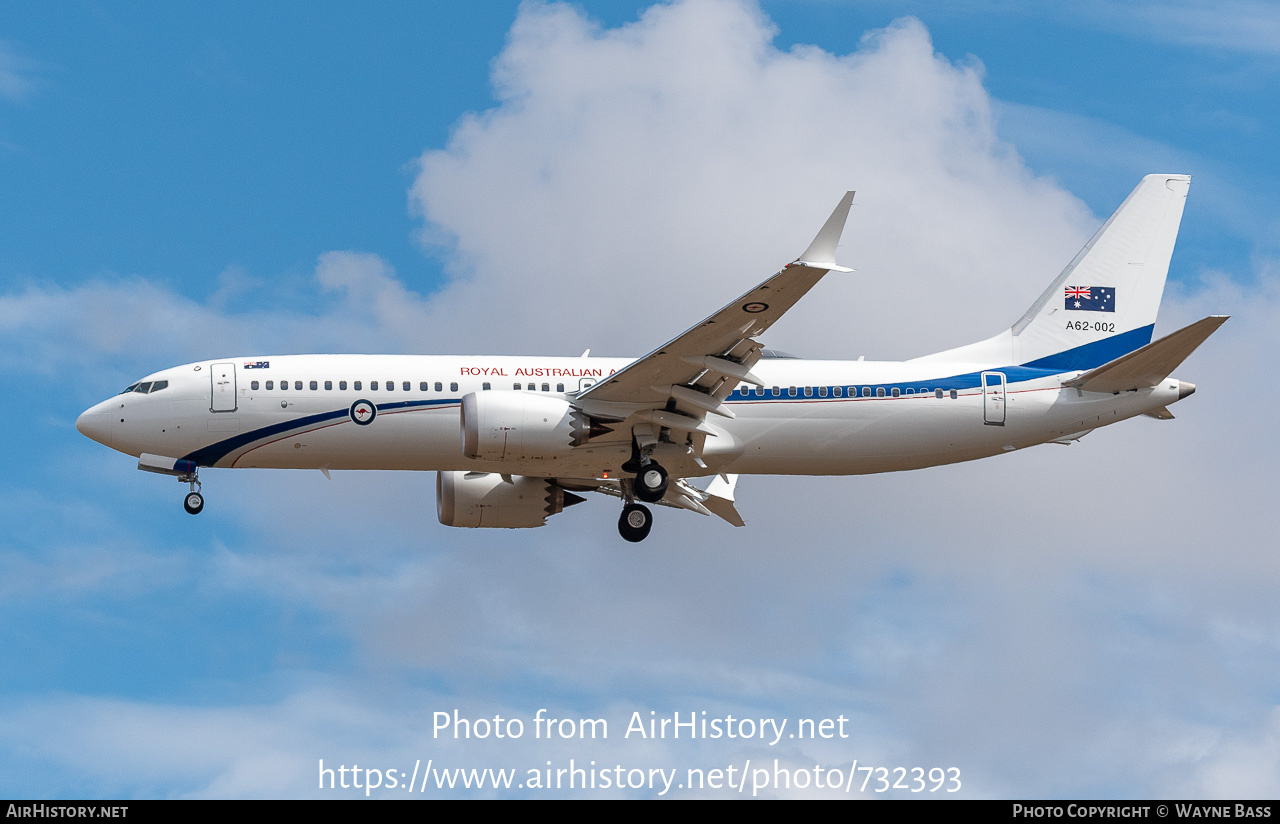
x: 1152, y: 363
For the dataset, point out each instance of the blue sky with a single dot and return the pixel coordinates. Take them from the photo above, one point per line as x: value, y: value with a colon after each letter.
x: 182, y: 183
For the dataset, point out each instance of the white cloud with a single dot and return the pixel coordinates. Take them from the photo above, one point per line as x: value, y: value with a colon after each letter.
x: 629, y: 183
x: 17, y: 74
x: 137, y: 326
x: 1248, y: 26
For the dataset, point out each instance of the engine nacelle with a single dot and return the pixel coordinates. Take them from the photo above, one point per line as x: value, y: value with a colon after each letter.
x: 479, y: 499
x: 517, y: 426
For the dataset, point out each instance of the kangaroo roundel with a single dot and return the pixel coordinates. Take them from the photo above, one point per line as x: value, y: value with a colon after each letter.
x: 363, y: 412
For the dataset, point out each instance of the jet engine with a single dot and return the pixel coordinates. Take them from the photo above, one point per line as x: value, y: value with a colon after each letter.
x: 479, y: 499
x: 516, y: 426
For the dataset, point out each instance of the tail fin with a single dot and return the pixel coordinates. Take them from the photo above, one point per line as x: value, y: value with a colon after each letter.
x: 1104, y: 304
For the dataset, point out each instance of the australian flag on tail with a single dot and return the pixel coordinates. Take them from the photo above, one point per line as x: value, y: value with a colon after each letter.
x: 1091, y: 298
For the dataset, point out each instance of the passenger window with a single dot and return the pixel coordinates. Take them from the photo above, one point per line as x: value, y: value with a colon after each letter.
x: 515, y: 386
x: 546, y: 387
x: 405, y: 386
x: 357, y: 385
x: 342, y: 386
x: 896, y: 393
x: 297, y: 385
x: 373, y: 386
x: 284, y: 385
x: 911, y: 391
x: 879, y: 391
x: 422, y: 387
x: 776, y: 391
x: 271, y: 385
x: 954, y: 394
x: 485, y: 386
x: 791, y: 390
x: 866, y: 392
x: 253, y: 385
x: 328, y: 386
x: 530, y: 387
x: 822, y: 391
x: 315, y: 385
x: 391, y: 386
x: 439, y: 386
x: 808, y: 391
x: 837, y: 391
x: 937, y: 393
x: 559, y: 387
x: 453, y: 387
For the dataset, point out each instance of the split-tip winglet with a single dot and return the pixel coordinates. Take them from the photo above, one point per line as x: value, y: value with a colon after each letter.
x: 821, y: 254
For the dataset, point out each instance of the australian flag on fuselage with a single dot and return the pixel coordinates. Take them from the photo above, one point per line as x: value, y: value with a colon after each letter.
x: 1091, y: 298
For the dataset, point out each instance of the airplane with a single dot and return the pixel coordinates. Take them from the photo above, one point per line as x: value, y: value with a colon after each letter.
x: 515, y: 440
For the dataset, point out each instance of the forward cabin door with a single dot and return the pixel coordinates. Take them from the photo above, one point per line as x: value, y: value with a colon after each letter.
x: 223, y: 389
x: 993, y: 398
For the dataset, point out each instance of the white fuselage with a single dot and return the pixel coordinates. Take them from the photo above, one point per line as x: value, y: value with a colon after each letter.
x: 810, y: 418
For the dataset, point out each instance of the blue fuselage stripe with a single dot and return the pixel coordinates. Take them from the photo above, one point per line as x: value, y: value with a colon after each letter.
x: 1088, y: 356
x: 211, y: 454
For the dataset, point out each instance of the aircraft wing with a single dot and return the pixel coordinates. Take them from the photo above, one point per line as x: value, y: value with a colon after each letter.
x: 690, y: 376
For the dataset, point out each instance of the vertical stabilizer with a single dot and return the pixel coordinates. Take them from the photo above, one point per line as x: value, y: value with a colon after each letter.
x: 1105, y: 302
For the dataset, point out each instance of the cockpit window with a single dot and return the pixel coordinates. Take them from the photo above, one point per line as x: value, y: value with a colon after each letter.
x: 158, y: 385
x: 129, y: 388
x: 143, y: 387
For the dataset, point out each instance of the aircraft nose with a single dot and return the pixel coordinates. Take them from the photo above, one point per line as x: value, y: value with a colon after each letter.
x: 95, y: 424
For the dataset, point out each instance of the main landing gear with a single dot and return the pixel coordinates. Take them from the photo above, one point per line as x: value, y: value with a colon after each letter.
x: 650, y: 485
x: 193, y: 503
x: 635, y: 523
x: 651, y: 482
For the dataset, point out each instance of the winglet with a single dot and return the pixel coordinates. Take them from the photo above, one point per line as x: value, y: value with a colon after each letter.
x: 821, y: 254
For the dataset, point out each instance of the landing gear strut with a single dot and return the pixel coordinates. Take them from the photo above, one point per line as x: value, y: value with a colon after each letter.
x: 193, y: 503
x: 635, y: 523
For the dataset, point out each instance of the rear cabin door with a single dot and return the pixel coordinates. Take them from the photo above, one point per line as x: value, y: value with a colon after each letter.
x: 223, y: 390
x: 993, y: 398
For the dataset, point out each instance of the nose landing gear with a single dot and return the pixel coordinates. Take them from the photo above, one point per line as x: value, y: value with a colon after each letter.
x: 193, y: 503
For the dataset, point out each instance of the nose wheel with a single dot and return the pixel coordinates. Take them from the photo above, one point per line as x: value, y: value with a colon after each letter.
x: 635, y: 523
x: 193, y: 503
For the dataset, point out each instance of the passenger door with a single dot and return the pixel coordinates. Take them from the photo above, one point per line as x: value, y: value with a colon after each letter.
x: 222, y: 377
x: 993, y: 398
